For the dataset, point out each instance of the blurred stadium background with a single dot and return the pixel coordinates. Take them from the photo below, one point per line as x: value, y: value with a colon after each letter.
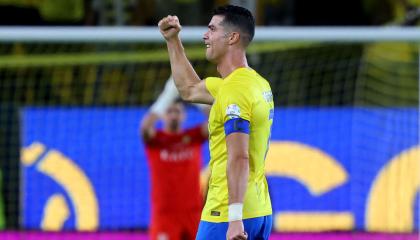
x: 344, y: 161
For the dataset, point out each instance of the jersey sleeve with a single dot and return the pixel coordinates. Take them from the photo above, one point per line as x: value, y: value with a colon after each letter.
x: 213, y: 85
x: 235, y: 102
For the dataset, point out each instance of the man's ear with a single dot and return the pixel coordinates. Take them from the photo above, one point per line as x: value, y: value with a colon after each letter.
x: 234, y: 37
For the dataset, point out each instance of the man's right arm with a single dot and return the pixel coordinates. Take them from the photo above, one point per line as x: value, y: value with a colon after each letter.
x: 157, y: 110
x: 147, y: 126
x: 189, y: 85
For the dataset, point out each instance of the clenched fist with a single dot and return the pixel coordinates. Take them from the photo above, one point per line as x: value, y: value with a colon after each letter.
x: 236, y: 231
x: 169, y: 27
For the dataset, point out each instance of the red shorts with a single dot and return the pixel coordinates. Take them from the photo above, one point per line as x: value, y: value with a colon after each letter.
x: 174, y: 226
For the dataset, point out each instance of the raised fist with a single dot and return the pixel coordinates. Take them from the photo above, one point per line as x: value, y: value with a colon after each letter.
x: 169, y: 27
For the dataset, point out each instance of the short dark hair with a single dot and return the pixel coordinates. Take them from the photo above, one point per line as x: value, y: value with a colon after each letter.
x: 240, y: 18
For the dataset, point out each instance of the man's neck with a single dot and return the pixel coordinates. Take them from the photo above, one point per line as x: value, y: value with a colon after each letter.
x: 230, y: 62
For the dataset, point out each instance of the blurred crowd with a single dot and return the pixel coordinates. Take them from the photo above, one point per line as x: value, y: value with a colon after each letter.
x: 196, y: 12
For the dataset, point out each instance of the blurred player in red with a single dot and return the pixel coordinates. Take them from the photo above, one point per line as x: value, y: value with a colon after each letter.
x: 175, y: 161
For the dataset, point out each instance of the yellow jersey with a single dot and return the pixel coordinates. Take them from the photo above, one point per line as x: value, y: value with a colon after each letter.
x: 243, y: 94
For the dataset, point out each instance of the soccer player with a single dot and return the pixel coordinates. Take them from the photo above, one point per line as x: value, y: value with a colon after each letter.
x: 174, y: 156
x: 238, y: 204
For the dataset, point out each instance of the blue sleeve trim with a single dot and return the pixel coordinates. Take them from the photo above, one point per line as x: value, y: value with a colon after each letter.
x: 236, y: 125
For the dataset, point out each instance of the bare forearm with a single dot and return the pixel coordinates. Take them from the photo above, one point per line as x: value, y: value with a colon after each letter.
x: 237, y: 175
x: 183, y: 73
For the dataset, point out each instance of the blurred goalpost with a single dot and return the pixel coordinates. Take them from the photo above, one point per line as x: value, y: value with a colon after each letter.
x: 195, y: 34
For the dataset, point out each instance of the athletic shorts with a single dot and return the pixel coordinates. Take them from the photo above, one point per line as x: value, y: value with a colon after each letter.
x: 171, y: 226
x: 257, y: 229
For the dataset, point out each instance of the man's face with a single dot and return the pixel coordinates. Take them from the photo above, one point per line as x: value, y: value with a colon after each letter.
x: 174, y: 116
x: 216, y: 39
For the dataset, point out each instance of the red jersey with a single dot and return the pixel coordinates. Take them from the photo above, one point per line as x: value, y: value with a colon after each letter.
x: 175, y: 162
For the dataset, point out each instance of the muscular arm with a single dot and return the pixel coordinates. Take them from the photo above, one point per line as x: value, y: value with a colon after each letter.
x: 189, y: 85
x: 237, y: 175
x: 237, y: 166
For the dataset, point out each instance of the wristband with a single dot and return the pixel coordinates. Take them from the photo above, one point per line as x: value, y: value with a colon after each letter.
x: 235, y: 212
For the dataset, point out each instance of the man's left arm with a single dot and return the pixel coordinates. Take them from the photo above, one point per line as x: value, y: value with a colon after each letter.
x: 236, y: 105
x: 237, y: 175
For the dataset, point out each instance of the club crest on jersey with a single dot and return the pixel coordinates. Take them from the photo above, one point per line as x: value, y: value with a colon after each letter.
x: 233, y: 111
